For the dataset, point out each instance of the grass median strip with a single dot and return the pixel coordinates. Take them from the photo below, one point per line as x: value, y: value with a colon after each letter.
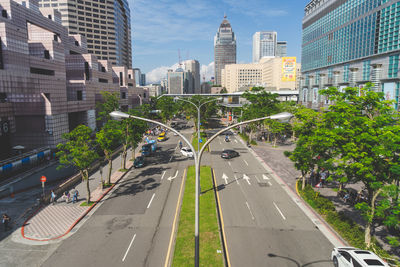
x: 210, y: 243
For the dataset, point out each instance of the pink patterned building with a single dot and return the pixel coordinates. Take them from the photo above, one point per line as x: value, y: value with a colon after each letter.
x: 49, y: 83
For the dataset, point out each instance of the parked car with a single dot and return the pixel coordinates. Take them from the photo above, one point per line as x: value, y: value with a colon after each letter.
x: 187, y: 152
x: 229, y: 153
x: 139, y: 162
x: 350, y: 257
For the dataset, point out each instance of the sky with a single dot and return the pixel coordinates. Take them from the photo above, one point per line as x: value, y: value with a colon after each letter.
x: 162, y: 27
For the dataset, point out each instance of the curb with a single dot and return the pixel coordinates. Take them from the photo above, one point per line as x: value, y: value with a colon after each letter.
x: 78, y: 220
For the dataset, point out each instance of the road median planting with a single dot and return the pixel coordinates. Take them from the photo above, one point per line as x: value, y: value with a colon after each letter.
x: 210, y: 243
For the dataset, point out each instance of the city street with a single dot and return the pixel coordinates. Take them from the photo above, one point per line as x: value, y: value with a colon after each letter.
x: 263, y: 225
x: 133, y: 225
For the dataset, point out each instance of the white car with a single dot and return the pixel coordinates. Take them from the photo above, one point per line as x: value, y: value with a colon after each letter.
x: 187, y: 152
x: 354, y: 257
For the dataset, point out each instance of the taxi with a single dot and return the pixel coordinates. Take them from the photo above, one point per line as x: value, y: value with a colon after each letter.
x: 162, y: 137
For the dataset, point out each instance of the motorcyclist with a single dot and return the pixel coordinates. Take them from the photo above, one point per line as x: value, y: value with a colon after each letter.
x: 226, y: 138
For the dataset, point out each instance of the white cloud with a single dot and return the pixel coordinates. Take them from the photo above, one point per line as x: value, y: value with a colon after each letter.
x: 207, y: 71
x: 159, y: 73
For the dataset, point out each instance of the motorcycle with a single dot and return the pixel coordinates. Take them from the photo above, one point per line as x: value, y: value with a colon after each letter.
x: 227, y: 139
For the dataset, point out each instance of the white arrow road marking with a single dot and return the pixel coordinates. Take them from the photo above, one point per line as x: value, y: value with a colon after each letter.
x: 252, y: 216
x: 265, y: 177
x: 129, y: 247
x: 279, y: 211
x: 246, y: 162
x: 148, y: 206
x: 258, y: 180
x: 225, y: 178
x: 162, y: 177
x: 172, y: 178
x: 236, y: 141
x: 236, y: 179
x: 247, y: 178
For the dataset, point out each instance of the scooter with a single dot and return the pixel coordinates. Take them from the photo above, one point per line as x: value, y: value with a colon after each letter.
x: 227, y: 139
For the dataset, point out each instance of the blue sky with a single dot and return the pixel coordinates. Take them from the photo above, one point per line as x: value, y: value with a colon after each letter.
x: 161, y: 27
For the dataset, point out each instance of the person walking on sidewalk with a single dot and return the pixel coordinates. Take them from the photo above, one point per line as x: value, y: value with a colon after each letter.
x: 75, y: 196
x: 180, y: 144
x: 53, y: 197
x: 5, y: 220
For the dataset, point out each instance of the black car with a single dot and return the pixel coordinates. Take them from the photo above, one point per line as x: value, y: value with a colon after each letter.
x: 228, y: 153
x: 139, y: 162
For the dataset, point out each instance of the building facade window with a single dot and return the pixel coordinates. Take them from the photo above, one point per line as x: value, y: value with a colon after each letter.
x: 366, y: 70
x: 393, y: 67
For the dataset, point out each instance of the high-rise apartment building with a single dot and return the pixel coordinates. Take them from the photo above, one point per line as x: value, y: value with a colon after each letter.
x: 350, y: 43
x: 224, y: 48
x: 194, y: 67
x: 281, y: 49
x: 143, y: 79
x: 264, y: 45
x: 105, y: 24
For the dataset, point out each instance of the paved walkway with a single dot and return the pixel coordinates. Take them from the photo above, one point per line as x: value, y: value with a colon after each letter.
x: 54, y: 221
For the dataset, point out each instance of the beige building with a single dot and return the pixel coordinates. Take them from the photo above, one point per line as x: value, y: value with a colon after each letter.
x: 268, y: 73
x: 105, y: 24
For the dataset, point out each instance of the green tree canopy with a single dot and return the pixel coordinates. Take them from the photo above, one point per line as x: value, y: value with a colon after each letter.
x: 78, y: 151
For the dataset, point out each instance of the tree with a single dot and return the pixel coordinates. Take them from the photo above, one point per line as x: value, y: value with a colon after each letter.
x: 167, y: 107
x: 109, y: 104
x: 304, y: 156
x: 136, y: 130
x: 275, y: 127
x: 108, y: 138
x: 262, y: 104
x: 78, y: 151
x: 357, y: 139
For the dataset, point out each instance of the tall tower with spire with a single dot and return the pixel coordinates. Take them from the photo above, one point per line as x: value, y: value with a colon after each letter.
x: 224, y: 48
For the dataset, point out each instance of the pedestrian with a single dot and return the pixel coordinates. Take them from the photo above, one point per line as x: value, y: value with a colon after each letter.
x: 324, y: 175
x: 180, y: 144
x: 53, y: 197
x: 75, y: 196
x: 66, y: 196
x: 5, y: 220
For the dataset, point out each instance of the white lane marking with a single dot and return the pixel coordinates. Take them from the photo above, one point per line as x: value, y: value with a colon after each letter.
x: 171, y: 158
x: 247, y: 178
x: 236, y: 179
x: 229, y: 163
x: 236, y: 141
x: 151, y: 200
x: 279, y: 211
x: 172, y: 178
x: 258, y: 180
x: 225, y: 178
x: 129, y: 247
x: 269, y: 183
x: 219, y: 141
x: 246, y: 162
x: 252, y: 216
x: 162, y: 177
x: 265, y: 177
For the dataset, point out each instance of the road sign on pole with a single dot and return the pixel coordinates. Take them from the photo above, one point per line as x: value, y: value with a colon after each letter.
x: 201, y: 140
x: 43, y: 180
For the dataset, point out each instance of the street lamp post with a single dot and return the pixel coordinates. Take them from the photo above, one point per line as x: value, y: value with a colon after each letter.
x: 197, y: 158
x: 198, y: 116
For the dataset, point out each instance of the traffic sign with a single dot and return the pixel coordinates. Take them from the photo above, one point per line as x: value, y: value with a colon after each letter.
x: 43, y: 179
x: 201, y: 140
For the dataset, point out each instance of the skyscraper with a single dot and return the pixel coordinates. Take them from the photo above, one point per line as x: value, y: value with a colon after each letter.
x: 105, y: 24
x: 194, y: 67
x: 350, y: 43
x: 281, y: 49
x: 224, y: 48
x: 264, y: 45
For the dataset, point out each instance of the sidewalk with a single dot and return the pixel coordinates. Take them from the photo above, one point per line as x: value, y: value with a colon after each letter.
x: 54, y: 221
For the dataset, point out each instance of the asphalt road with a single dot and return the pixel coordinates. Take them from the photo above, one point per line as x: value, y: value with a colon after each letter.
x: 263, y: 225
x: 133, y: 225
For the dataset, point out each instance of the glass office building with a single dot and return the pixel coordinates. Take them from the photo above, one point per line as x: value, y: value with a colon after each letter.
x: 349, y: 43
